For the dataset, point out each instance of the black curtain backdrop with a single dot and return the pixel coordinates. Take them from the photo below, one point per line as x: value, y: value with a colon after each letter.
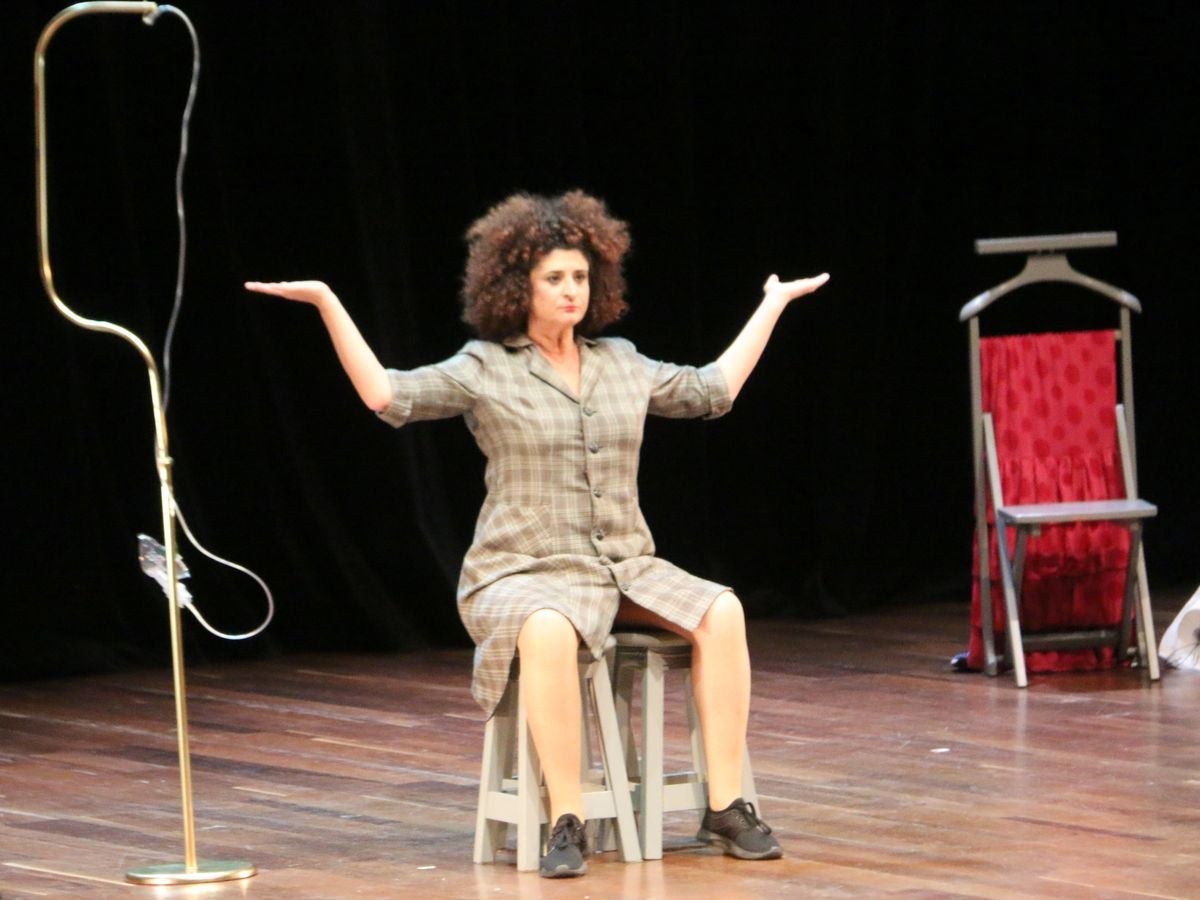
x: 355, y: 141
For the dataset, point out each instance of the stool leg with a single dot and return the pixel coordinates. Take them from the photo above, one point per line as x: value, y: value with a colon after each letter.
x: 623, y: 677
x: 652, y: 757
x: 614, y: 762
x: 499, y: 741
x: 585, y: 744
x: 699, y: 760
x: 529, y: 796
x: 488, y: 833
x: 749, y: 792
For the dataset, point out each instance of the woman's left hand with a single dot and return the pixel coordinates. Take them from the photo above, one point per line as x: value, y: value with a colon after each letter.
x: 785, y: 292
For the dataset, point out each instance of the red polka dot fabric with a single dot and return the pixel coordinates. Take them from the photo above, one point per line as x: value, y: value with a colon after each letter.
x: 1052, y: 399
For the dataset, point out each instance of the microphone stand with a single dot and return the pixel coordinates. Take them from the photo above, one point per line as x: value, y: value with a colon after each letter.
x: 190, y: 871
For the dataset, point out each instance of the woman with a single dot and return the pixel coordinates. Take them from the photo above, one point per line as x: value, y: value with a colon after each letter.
x: 561, y: 551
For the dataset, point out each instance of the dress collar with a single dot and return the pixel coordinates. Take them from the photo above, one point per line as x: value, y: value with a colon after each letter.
x: 524, y: 340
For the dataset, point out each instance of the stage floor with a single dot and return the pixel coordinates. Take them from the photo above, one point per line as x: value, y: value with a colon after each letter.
x: 882, y: 772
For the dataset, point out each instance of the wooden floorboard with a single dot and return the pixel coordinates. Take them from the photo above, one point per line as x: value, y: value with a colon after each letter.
x: 883, y: 773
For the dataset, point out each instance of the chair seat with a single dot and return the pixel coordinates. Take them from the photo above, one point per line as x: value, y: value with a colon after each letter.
x: 1080, y: 511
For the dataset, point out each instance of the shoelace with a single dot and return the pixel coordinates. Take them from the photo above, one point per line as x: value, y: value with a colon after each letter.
x: 750, y: 814
x: 564, y: 835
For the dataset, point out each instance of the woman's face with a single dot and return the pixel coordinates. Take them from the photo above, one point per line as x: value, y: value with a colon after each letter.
x: 559, y: 290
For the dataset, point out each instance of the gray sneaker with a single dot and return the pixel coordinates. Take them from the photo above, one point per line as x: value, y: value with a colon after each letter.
x: 739, y: 831
x: 568, y: 846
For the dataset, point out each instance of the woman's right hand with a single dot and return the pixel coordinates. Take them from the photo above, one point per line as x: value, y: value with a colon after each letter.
x: 314, y: 292
x: 369, y: 377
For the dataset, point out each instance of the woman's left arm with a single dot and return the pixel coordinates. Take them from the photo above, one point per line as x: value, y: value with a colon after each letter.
x: 737, y: 362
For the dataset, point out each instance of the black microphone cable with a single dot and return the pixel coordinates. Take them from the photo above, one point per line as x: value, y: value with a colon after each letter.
x: 151, y: 554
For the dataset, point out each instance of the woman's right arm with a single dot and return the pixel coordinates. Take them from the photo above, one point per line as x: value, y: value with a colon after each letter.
x: 369, y: 378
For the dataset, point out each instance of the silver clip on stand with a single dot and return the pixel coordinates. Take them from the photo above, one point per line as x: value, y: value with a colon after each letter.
x: 190, y: 871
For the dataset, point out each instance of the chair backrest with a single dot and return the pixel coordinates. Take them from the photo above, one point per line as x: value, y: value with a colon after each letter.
x: 1053, y: 401
x: 1052, y: 398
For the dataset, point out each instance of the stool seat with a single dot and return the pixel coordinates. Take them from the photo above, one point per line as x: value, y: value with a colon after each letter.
x: 510, y: 783
x: 652, y: 639
x: 650, y: 653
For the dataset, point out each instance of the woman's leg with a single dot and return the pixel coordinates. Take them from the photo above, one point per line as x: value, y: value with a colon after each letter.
x: 721, y: 684
x: 549, y: 646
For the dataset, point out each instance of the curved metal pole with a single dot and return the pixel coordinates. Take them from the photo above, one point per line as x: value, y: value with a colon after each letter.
x: 191, y: 871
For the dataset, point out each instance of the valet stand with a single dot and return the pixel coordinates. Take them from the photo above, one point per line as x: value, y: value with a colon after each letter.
x: 190, y: 871
x: 1046, y: 261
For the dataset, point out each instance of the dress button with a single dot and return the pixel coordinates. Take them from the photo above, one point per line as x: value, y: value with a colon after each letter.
x: 596, y: 492
x: 599, y: 535
x: 624, y: 587
x: 594, y: 446
x: 605, y: 561
x: 588, y: 411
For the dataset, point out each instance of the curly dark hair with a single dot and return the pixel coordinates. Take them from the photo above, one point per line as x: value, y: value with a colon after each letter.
x: 505, y: 244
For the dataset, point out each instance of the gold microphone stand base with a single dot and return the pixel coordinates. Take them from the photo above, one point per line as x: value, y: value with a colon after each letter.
x: 202, y: 873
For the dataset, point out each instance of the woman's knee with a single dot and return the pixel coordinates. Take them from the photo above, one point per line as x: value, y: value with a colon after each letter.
x: 545, y: 629
x: 724, y: 618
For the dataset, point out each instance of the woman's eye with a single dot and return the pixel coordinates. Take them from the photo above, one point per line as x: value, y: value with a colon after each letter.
x: 554, y: 279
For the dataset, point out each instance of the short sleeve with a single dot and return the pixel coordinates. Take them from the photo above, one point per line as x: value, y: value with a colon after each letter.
x: 687, y: 392
x: 438, y: 391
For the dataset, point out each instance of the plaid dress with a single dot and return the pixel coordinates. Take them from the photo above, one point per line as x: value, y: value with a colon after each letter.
x: 560, y: 527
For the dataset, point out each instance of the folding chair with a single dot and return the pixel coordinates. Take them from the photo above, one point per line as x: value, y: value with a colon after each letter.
x: 1055, y: 466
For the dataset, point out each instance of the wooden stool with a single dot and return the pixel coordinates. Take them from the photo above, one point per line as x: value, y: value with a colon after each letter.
x: 652, y: 652
x: 510, y: 784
